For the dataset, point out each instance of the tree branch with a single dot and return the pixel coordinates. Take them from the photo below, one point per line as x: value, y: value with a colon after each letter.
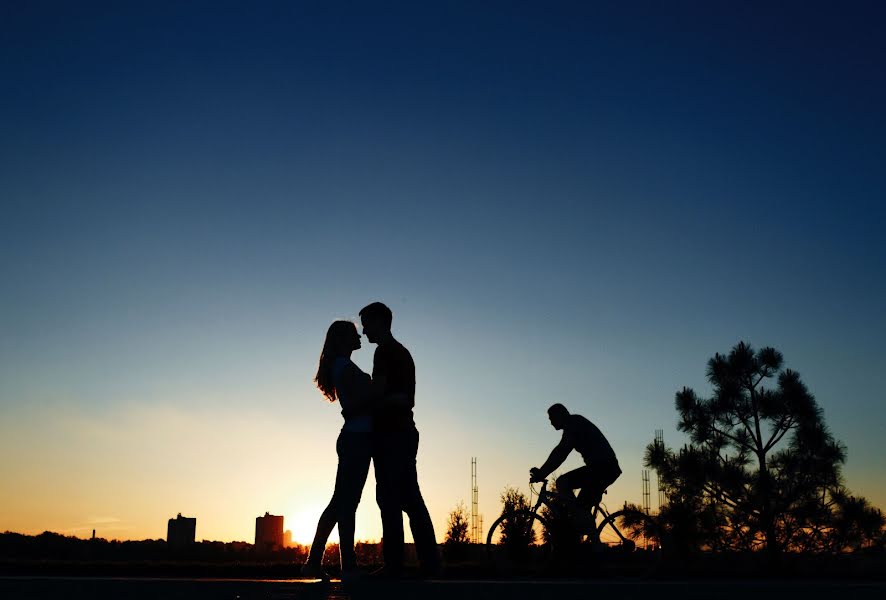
x: 729, y: 436
x: 758, y: 439
x: 747, y: 425
x: 763, y: 376
x: 718, y: 493
x: 787, y: 424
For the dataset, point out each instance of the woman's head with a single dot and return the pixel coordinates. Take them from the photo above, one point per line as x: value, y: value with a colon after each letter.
x: 341, y: 339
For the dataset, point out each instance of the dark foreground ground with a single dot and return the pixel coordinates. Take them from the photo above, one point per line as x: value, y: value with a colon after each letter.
x: 40, y: 588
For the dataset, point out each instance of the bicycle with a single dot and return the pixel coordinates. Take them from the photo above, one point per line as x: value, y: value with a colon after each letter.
x: 626, y: 543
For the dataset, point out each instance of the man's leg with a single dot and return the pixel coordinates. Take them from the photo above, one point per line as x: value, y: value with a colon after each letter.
x: 414, y: 505
x: 595, y: 483
x: 387, y: 497
x: 572, y: 480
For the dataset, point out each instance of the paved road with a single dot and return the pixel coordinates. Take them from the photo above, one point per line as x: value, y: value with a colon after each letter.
x: 31, y: 588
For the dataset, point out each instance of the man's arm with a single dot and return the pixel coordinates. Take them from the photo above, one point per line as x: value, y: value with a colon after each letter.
x: 377, y: 388
x: 379, y: 376
x: 379, y: 393
x: 556, y: 458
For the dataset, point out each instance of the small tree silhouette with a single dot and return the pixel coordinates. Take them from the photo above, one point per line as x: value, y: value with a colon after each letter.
x: 457, y: 530
x: 560, y: 527
x: 516, y: 530
x: 456, y: 540
x: 761, y: 469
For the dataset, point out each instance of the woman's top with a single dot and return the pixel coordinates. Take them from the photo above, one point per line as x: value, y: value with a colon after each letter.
x: 352, y: 387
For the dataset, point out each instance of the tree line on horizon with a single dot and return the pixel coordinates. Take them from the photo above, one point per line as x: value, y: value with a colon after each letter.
x: 55, y: 546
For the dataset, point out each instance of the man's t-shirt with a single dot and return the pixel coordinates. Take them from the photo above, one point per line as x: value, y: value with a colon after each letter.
x: 394, y: 362
x: 583, y: 436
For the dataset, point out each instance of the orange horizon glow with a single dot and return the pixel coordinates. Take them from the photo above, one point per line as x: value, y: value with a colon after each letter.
x: 125, y: 473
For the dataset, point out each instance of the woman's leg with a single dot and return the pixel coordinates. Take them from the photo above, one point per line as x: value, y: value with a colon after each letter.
x: 354, y: 455
x: 324, y: 528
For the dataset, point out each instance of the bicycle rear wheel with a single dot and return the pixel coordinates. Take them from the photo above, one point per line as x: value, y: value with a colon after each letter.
x: 631, y: 544
x: 516, y: 543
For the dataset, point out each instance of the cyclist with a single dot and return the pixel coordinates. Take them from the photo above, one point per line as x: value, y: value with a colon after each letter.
x: 601, y: 466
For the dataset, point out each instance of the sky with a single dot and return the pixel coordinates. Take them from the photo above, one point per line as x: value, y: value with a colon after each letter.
x: 561, y: 202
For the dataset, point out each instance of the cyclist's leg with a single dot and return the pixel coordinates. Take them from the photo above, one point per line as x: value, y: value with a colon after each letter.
x: 573, y: 523
x: 595, y: 483
x: 572, y: 480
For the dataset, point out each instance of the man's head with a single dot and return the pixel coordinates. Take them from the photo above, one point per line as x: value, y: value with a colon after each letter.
x: 376, y: 319
x: 558, y: 414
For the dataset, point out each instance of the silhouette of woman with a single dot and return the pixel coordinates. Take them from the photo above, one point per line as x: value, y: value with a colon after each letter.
x: 338, y: 378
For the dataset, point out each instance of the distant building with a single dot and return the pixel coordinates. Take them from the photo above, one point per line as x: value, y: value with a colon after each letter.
x: 287, y: 539
x: 181, y: 531
x: 268, y: 532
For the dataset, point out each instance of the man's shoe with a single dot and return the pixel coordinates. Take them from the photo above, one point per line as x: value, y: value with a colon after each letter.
x: 313, y: 571
x: 431, y: 571
x: 386, y: 572
x: 351, y: 575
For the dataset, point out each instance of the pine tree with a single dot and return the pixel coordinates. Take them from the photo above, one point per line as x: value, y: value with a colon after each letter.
x: 761, y: 470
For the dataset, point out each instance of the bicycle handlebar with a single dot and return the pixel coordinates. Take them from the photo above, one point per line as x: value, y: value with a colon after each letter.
x: 540, y: 493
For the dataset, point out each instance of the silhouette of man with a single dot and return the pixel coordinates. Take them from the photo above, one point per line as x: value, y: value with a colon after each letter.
x: 601, y: 466
x: 395, y: 446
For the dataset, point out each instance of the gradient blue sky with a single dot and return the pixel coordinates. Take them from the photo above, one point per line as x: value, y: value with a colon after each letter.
x: 560, y: 203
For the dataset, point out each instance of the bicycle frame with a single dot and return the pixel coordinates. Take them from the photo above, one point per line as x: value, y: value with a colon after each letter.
x: 545, y: 497
x: 625, y: 542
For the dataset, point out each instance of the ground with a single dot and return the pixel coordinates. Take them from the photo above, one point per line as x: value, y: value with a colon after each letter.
x: 37, y: 588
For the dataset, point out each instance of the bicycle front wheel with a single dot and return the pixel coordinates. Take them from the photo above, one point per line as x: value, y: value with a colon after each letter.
x: 631, y: 544
x: 517, y: 544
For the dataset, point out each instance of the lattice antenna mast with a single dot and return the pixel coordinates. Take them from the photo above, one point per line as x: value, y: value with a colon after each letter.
x: 480, y: 528
x: 659, y: 440
x: 475, y: 501
x: 646, y: 491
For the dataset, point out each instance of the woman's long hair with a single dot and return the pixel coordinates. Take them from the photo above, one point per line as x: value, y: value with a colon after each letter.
x: 337, y: 339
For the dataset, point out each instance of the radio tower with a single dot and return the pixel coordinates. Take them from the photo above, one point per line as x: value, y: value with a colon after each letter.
x: 646, y: 491
x: 475, y: 494
x: 659, y: 441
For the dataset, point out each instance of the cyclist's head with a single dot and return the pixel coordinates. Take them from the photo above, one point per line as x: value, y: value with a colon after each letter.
x: 558, y: 414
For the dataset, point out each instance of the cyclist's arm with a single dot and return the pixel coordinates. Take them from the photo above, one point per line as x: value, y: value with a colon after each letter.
x: 558, y: 455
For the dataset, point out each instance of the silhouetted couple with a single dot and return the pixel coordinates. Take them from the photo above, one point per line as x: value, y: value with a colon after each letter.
x: 379, y: 428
